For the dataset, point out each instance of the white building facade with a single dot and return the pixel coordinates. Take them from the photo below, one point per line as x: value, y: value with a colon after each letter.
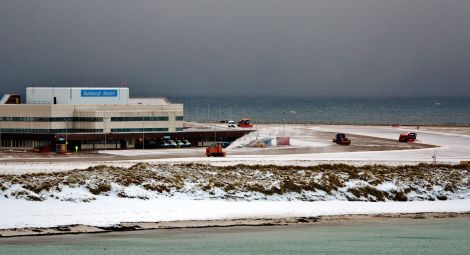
x: 86, y: 114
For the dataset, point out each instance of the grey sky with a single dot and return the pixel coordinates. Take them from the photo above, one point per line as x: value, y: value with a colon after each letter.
x: 239, y: 47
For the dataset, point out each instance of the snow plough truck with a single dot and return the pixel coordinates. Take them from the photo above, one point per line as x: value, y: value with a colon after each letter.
x: 245, y: 123
x: 407, y: 137
x: 215, y: 150
x: 341, y: 139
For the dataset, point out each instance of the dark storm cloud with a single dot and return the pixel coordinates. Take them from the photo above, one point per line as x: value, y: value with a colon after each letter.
x: 244, y: 47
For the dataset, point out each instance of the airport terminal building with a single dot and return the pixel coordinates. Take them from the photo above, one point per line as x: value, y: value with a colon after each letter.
x: 51, y: 114
x: 90, y: 118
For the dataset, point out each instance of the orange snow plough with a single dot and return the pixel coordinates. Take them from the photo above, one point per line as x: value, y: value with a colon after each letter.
x: 215, y: 150
x: 245, y: 123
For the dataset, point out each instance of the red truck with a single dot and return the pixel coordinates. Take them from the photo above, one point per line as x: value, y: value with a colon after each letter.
x: 407, y: 137
x: 245, y: 123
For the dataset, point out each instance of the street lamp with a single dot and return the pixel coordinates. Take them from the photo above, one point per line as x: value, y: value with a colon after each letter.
x: 293, y: 113
x: 143, y: 133
x: 66, y: 132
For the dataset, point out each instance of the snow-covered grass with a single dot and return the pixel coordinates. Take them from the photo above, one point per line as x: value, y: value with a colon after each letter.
x: 245, y: 182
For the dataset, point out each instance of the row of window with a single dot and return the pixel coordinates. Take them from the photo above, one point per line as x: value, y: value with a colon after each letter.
x: 53, y: 119
x: 142, y: 118
x: 81, y: 130
x: 88, y: 119
x: 129, y: 130
x: 23, y: 143
x: 49, y: 131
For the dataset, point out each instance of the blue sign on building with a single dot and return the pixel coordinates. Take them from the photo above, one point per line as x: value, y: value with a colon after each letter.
x: 99, y: 93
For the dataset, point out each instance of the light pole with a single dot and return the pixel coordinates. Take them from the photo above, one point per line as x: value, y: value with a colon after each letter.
x: 293, y: 113
x: 215, y: 130
x: 143, y: 133
x: 66, y: 132
x: 283, y: 123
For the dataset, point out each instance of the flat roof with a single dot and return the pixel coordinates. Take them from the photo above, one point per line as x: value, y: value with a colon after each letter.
x: 149, y: 100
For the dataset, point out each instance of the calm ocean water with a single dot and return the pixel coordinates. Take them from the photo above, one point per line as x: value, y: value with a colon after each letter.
x: 428, y: 236
x: 406, y: 111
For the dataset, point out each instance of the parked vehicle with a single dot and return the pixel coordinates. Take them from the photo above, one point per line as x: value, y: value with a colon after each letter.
x: 179, y: 143
x: 172, y: 144
x: 164, y: 144
x: 407, y: 137
x: 341, y: 139
x: 215, y: 150
x: 245, y: 123
x: 186, y: 143
x: 231, y: 124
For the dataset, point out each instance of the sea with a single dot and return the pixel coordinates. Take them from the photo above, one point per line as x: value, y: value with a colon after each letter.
x: 394, y: 236
x: 359, y: 111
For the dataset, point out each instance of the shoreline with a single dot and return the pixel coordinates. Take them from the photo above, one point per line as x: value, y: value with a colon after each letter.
x: 17, y: 234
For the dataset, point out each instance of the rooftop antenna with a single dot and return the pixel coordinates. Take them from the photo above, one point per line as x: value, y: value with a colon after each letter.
x: 123, y: 83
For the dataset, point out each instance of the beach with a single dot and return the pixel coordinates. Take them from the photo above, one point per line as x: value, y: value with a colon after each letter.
x: 336, y: 235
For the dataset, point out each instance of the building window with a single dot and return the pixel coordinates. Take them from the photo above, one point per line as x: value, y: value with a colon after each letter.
x: 48, y: 131
x: 179, y: 129
x: 52, y: 119
x: 88, y: 119
x: 134, y: 130
x: 179, y: 118
x: 141, y: 118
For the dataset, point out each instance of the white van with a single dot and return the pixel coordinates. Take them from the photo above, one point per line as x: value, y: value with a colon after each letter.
x: 231, y: 124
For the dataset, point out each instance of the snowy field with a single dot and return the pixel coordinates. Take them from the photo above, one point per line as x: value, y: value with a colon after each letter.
x: 111, y: 210
x: 452, y: 147
x: 108, y: 210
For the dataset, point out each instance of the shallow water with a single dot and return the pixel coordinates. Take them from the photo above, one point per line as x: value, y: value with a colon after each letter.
x: 397, y: 236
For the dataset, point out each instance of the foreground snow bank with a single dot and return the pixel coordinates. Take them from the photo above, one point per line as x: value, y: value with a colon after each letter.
x: 108, y: 195
x: 245, y: 182
x: 106, y: 211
